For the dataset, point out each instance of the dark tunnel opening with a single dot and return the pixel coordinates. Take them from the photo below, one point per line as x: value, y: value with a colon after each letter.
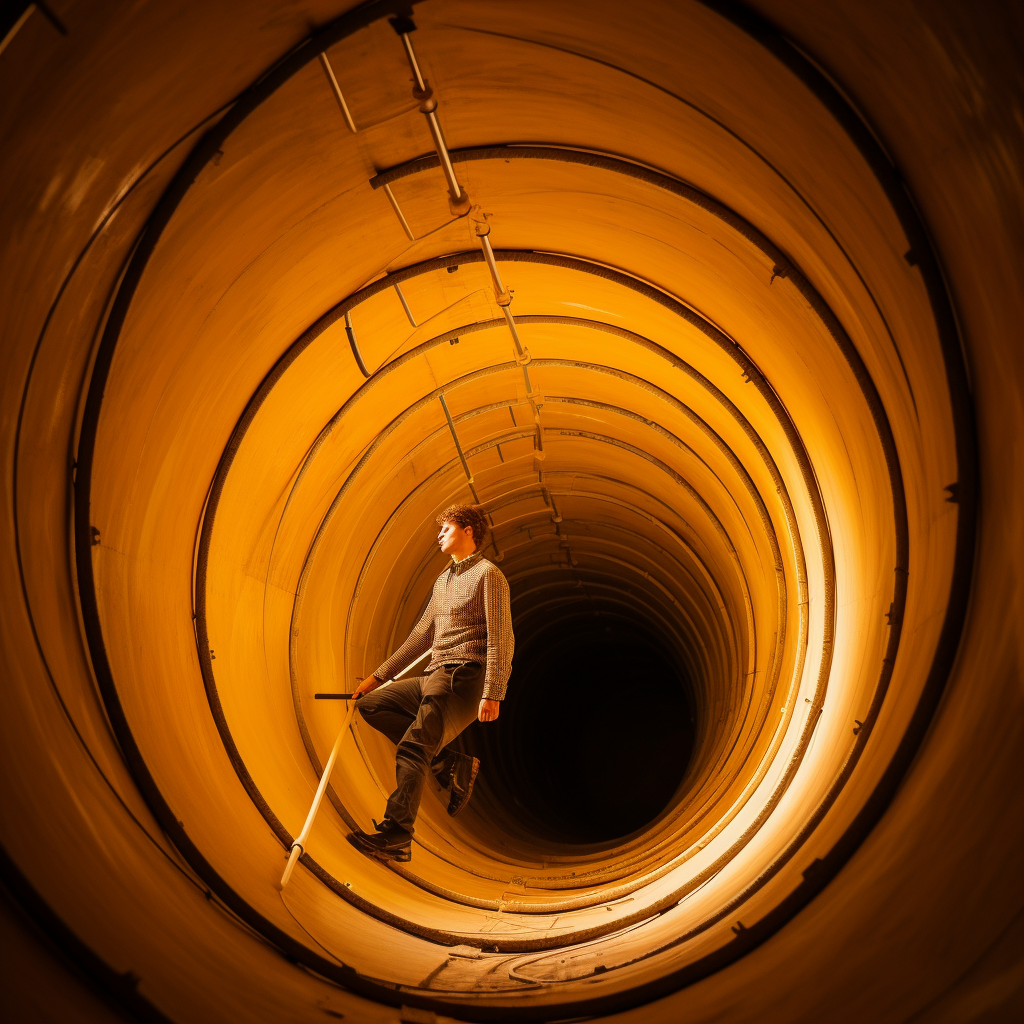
x: 596, y: 733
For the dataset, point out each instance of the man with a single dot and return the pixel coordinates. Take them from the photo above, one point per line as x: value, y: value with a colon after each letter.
x: 467, y: 625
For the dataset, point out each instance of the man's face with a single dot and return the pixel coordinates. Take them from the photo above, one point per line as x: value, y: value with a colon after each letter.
x: 455, y: 540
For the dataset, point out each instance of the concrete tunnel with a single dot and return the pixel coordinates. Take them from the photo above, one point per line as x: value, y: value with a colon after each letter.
x: 739, y: 393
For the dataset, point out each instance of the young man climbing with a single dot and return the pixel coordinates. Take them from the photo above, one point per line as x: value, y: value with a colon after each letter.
x: 467, y: 625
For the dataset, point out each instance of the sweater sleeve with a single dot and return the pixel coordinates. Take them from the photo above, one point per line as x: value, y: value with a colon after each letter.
x: 500, y: 641
x: 417, y: 643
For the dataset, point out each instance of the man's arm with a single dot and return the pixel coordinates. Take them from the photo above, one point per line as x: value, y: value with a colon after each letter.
x: 500, y: 642
x: 417, y: 643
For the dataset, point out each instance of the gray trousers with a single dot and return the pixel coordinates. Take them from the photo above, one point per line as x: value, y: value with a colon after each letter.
x: 422, y: 715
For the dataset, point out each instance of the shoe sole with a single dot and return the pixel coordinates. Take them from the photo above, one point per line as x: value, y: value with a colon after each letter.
x: 474, y: 771
x: 398, y: 856
x: 401, y: 856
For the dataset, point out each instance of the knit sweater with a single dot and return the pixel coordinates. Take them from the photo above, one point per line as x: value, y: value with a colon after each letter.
x: 468, y: 618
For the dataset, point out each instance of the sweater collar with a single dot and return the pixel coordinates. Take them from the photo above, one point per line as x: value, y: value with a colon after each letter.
x: 469, y: 560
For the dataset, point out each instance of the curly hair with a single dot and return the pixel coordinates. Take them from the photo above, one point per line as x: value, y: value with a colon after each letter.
x: 466, y: 515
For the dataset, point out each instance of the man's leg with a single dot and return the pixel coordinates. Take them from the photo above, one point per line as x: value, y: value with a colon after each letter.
x: 417, y: 750
x: 455, y: 770
x: 392, y: 709
x: 449, y: 704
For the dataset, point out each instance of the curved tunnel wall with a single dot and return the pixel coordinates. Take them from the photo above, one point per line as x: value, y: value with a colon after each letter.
x: 741, y: 435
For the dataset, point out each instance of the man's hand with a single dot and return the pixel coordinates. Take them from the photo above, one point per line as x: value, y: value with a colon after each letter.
x: 368, y: 684
x: 488, y: 710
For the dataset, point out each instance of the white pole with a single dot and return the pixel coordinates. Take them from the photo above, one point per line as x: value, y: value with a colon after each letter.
x: 299, y: 845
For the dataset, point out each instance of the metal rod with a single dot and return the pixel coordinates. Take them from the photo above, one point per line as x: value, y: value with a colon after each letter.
x: 329, y: 71
x: 442, y: 152
x: 485, y: 244
x: 520, y: 351
x: 355, y: 347
x: 500, y: 294
x: 428, y: 105
x: 15, y: 28
x: 498, y: 555
x: 458, y: 447
x: 405, y: 306
x: 522, y: 354
x: 298, y: 846
x: 413, y: 63
x: 398, y: 213
x: 549, y: 498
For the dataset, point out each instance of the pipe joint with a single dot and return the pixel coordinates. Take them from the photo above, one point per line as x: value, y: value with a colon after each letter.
x: 425, y: 98
x: 459, y: 205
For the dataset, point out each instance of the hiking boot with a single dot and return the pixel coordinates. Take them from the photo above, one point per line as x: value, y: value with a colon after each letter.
x: 389, y: 842
x: 463, y: 776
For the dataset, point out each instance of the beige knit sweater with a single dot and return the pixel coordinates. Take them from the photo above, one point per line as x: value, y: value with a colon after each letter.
x: 468, y: 618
